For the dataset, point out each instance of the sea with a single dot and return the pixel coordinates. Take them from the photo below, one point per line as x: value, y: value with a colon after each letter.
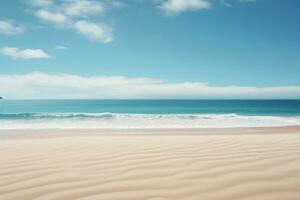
x: 90, y: 114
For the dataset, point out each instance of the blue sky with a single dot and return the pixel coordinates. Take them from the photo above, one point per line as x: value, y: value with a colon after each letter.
x: 245, y: 44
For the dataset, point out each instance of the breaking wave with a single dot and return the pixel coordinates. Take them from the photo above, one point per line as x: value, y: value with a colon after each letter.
x: 120, y: 120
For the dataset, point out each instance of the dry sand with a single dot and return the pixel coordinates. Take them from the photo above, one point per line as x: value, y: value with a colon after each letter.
x: 182, y: 166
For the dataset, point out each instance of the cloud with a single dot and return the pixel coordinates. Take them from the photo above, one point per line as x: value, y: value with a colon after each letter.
x: 15, y: 53
x: 53, y: 17
x: 8, y: 28
x: 83, y: 8
x: 228, y: 3
x: 176, y: 7
x: 115, y: 3
x: 76, y: 15
x: 94, y: 31
x: 225, y: 3
x: 42, y: 85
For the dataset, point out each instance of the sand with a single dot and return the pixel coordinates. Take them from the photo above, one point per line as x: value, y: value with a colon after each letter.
x: 263, y: 164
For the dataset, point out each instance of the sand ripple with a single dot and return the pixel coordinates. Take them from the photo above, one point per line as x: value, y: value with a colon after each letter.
x: 214, y: 167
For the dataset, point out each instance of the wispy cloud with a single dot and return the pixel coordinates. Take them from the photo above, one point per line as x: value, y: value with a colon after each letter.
x: 8, y: 28
x: 94, y: 31
x: 16, y: 53
x: 76, y: 15
x: 54, y: 17
x: 42, y: 85
x: 176, y: 7
x: 83, y: 8
x: 225, y: 3
x: 229, y: 3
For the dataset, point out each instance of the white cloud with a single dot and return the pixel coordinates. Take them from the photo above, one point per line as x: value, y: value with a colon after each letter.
x: 175, y: 7
x: 82, y: 7
x: 42, y: 85
x: 94, y: 31
x: 54, y: 17
x: 8, y: 28
x: 76, y: 15
x: 115, y: 3
x: 16, y: 53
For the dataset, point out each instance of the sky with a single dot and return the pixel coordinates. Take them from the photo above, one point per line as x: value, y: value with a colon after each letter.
x: 150, y: 49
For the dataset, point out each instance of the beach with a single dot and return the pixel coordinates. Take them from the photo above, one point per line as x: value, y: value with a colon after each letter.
x: 149, y: 100
x: 152, y: 164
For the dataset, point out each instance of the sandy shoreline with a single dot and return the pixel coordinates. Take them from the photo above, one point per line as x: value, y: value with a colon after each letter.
x: 46, y: 133
x: 251, y: 163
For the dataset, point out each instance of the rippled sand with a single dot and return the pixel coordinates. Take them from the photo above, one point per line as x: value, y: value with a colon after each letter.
x: 144, y: 167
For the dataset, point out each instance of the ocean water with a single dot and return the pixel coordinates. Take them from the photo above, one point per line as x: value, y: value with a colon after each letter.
x: 65, y: 114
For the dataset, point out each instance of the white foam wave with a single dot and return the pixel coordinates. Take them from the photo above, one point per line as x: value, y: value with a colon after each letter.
x: 109, y: 120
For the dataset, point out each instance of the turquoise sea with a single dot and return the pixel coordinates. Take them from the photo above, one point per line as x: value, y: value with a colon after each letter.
x: 19, y: 114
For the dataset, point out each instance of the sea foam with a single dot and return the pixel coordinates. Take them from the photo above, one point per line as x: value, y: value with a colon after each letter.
x: 118, y: 120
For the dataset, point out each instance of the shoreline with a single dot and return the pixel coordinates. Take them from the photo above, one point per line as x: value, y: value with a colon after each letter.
x: 46, y: 133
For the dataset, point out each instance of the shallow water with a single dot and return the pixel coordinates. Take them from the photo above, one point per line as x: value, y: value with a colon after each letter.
x: 18, y: 114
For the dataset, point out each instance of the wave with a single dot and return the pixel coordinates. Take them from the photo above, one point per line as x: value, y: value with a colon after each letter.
x: 120, y: 120
x: 109, y: 115
x: 54, y: 115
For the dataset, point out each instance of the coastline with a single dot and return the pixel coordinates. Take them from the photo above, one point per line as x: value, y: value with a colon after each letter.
x: 227, y: 164
x: 45, y: 133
